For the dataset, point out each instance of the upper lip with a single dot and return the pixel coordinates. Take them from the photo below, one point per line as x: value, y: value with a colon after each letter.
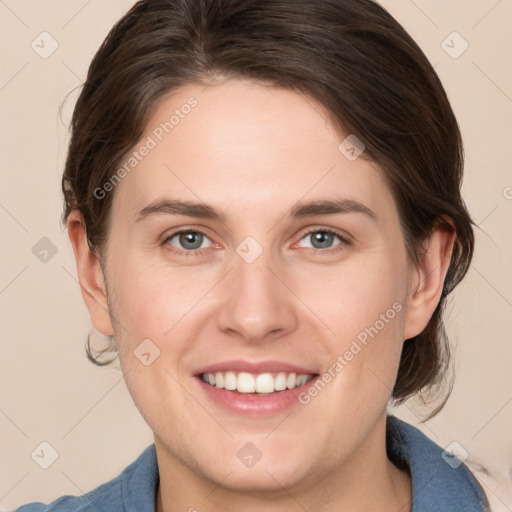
x: 254, y: 367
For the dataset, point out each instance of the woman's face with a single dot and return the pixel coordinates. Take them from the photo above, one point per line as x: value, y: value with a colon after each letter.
x: 264, y: 292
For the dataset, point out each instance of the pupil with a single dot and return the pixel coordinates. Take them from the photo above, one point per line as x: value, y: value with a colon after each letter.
x: 323, y: 238
x: 186, y: 238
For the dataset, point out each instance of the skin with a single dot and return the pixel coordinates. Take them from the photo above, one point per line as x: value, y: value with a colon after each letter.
x: 254, y: 152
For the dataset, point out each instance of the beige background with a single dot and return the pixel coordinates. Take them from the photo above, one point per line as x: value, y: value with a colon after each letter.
x: 50, y: 392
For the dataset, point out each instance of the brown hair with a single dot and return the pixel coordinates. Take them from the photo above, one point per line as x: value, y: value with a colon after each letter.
x: 351, y: 56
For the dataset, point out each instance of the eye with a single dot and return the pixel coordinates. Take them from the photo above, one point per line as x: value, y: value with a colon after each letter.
x: 323, y: 239
x: 187, y: 241
x: 190, y: 241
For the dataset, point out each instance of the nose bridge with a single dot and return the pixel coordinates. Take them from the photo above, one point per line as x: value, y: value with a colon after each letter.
x: 257, y: 303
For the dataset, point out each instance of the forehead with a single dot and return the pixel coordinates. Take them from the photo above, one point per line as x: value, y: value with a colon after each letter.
x: 245, y: 146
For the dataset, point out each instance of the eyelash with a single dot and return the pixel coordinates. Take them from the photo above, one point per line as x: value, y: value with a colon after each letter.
x: 200, y: 252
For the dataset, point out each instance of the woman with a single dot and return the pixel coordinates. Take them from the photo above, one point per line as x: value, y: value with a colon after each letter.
x: 263, y: 198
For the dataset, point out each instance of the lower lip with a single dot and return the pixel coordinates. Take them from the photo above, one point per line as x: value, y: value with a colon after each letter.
x: 254, y: 405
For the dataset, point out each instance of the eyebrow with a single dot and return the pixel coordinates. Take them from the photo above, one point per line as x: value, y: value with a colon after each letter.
x: 178, y: 207
x: 299, y: 211
x: 331, y: 206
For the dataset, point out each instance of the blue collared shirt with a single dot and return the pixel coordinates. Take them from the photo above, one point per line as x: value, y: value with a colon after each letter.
x: 439, y: 483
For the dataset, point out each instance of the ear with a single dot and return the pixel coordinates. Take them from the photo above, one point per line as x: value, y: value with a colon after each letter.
x: 90, y: 275
x: 428, y: 277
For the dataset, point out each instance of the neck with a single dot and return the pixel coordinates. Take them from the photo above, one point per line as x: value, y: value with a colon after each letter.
x: 367, y: 480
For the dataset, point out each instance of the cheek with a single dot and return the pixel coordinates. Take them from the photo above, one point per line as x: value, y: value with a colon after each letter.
x: 358, y: 295
x: 150, y: 300
x: 363, y: 308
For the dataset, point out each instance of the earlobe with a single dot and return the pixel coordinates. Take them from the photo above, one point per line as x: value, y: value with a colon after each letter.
x: 90, y: 275
x: 426, y: 284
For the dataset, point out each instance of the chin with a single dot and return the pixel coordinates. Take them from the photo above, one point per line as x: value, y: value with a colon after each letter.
x: 263, y: 478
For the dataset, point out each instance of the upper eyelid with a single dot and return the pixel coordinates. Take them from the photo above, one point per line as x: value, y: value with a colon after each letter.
x: 329, y: 230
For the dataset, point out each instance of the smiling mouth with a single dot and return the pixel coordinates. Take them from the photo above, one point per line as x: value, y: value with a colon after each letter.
x: 261, y: 384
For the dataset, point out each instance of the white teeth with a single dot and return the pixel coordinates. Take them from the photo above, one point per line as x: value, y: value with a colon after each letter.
x: 301, y: 380
x: 245, y: 382
x: 280, y: 382
x: 219, y: 380
x: 264, y: 383
x: 230, y: 381
x: 291, y: 381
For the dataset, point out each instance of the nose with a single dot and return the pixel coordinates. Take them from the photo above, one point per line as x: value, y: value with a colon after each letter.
x: 258, y: 305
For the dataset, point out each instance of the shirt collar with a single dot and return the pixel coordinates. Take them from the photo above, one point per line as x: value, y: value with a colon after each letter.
x: 440, y: 482
x: 437, y: 486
